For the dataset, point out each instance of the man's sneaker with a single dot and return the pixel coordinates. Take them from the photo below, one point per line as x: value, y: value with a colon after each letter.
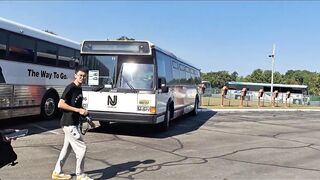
x: 58, y: 176
x: 84, y: 177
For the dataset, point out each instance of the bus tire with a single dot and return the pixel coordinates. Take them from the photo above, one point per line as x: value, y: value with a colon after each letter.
x: 196, y: 107
x: 104, y: 124
x: 49, y: 106
x: 164, y: 126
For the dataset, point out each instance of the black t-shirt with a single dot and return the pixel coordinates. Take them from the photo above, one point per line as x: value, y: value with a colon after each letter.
x: 72, y: 95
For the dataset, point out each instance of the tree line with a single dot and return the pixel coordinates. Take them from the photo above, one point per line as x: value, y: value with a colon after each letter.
x: 297, y: 77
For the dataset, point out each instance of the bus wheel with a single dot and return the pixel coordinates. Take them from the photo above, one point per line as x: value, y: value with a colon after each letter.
x: 104, y: 124
x: 196, y: 107
x: 49, y: 106
x: 164, y: 126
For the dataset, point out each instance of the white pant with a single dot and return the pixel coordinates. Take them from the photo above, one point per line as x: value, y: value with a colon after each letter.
x: 72, y: 139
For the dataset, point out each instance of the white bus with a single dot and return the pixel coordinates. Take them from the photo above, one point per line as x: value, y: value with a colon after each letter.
x: 35, y: 67
x: 137, y: 82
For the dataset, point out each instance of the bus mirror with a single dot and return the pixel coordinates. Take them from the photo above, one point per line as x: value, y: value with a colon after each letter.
x: 162, y: 84
x: 165, y: 89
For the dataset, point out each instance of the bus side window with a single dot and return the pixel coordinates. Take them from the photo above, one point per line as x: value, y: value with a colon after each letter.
x: 46, y: 53
x: 3, y: 44
x: 65, y: 56
x: 182, y: 74
x: 21, y: 48
x: 175, y: 72
x: 198, y: 78
x: 164, y: 67
x: 77, y: 58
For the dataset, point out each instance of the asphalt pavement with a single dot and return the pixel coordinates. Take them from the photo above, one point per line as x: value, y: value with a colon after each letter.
x: 213, y: 145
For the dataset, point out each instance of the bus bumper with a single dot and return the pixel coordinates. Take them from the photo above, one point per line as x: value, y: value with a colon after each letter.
x: 123, y: 117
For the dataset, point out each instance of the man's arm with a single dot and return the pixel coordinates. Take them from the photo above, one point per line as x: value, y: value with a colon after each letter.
x: 63, y: 105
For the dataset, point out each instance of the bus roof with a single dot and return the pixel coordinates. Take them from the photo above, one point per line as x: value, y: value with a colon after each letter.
x: 174, y: 56
x: 84, y: 49
x: 267, y: 84
x: 36, y: 33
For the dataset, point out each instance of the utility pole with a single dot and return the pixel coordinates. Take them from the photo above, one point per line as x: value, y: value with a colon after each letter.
x: 272, y: 71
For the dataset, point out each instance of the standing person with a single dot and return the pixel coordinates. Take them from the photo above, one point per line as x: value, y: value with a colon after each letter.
x: 71, y: 105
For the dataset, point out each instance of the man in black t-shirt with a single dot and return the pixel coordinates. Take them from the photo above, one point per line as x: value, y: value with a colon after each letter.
x: 71, y: 105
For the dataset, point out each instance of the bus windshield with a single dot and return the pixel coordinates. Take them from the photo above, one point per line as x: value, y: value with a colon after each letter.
x: 105, y: 67
x: 135, y: 76
x: 121, y: 72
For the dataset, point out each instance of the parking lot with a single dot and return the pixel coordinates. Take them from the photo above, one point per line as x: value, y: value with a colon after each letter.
x: 213, y: 145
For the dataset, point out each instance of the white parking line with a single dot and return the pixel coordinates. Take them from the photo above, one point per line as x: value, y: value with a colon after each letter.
x: 43, y: 128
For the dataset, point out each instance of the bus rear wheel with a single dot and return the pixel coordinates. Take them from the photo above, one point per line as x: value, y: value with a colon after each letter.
x: 49, y: 106
x: 196, y: 107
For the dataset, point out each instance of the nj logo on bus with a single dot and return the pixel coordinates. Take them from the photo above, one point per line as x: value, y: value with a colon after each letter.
x: 112, y: 102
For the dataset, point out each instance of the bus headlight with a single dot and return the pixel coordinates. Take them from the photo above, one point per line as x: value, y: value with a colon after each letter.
x: 153, y: 110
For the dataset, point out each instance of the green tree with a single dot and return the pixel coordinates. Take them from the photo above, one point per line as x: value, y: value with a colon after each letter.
x: 311, y: 79
x: 263, y: 76
x: 299, y: 77
x: 217, y: 79
x: 241, y: 79
x: 234, y: 76
x: 256, y: 76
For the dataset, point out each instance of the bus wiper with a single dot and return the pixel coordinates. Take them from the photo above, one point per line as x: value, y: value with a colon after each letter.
x: 131, y: 87
x: 98, y: 88
x: 106, y: 83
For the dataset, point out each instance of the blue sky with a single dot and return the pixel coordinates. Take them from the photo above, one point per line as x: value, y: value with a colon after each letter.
x: 213, y: 35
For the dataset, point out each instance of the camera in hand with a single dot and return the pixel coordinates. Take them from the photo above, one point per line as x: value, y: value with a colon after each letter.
x: 85, y: 124
x: 86, y: 118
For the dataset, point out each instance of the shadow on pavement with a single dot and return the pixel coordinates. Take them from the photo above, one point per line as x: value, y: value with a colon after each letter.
x: 182, y: 125
x: 18, y: 121
x: 112, y: 171
x: 35, y: 124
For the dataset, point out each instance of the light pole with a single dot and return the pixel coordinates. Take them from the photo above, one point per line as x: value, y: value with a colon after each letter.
x: 272, y: 71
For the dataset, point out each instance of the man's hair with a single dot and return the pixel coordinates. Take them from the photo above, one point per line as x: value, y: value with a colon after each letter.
x: 81, y: 68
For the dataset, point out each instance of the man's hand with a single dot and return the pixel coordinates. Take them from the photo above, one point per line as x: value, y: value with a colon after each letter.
x: 83, y: 112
